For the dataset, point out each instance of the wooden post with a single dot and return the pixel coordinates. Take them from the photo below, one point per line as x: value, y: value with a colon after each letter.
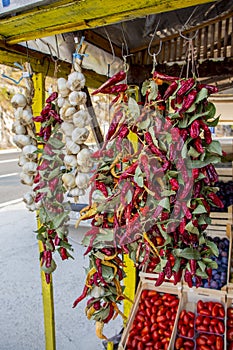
x: 47, y: 289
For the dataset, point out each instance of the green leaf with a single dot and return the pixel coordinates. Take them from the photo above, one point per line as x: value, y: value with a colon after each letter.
x: 167, y: 193
x: 138, y: 177
x: 200, y: 209
x: 215, y: 147
x: 40, y: 237
x: 134, y: 109
x: 54, y: 142
x: 184, y: 151
x: 211, y: 110
x: 192, y: 108
x: 191, y: 228
x: 193, y: 152
x: 165, y: 203
x: 214, y: 122
x: 176, y: 266
x: 201, y: 240
x: 201, y: 265
x: 201, y: 273
x: 153, y: 91
x: 188, y: 253
x: 201, y: 164
x: 58, y: 219
x: 144, y: 125
x: 145, y: 87
x: 128, y: 196
x: 213, y: 265
x: 54, y: 173
x: 183, y: 123
x: 213, y: 247
x: 202, y: 95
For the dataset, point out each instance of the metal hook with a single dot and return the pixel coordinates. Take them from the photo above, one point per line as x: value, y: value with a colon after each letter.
x: 113, y: 52
x: 188, y: 38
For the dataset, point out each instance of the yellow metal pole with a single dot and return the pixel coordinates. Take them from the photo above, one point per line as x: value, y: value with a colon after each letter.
x: 130, y: 279
x: 47, y: 289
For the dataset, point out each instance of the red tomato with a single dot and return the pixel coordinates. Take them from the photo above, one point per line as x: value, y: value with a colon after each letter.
x: 140, y: 318
x: 202, y: 328
x: 183, y: 331
x: 200, y: 305
x: 144, y: 294
x: 219, y: 343
x: 161, y: 318
x: 206, y: 321
x: 178, y: 343
x: 230, y: 322
x: 189, y: 343
x: 145, y: 338
x: 145, y: 330
x: 205, y: 312
x: 158, y: 346
x: 199, y: 320
x: 155, y: 336
x: 221, y: 327
x: 230, y: 312
x: 140, y: 346
x: 190, y: 333
x: 230, y: 334
x: 215, y: 310
x: 211, y: 339
x: 152, y: 293
x: 154, y: 327
x: 147, y: 303
x: 186, y: 319
x: 221, y: 312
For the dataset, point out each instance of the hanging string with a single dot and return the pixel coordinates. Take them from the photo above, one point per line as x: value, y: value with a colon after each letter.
x: 154, y: 54
x: 113, y: 52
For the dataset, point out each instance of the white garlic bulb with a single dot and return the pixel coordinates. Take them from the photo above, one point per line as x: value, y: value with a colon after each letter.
x: 29, y: 152
x: 80, y: 135
x: 68, y: 180
x: 22, y: 140
x: 19, y: 100
x: 72, y: 147
x: 84, y: 157
x: 82, y: 180
x: 76, y: 81
x: 81, y: 118
x: 77, y: 98
x: 18, y: 128
x: 67, y: 128
x: 70, y: 161
x: 30, y: 168
x: 26, y: 179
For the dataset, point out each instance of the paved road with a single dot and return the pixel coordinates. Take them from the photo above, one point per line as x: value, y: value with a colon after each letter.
x: 10, y: 186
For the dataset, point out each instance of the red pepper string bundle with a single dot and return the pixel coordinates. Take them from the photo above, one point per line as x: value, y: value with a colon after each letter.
x: 153, y: 201
x: 49, y: 192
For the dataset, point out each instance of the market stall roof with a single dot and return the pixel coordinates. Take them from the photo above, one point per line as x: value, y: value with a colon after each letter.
x: 115, y: 29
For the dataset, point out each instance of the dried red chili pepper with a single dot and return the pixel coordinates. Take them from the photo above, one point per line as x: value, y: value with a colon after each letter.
x: 174, y: 184
x: 186, y: 85
x: 116, y: 78
x: 195, y: 129
x: 193, y: 266
x: 168, y: 269
x: 195, y: 173
x: 152, y: 147
x: 52, y: 97
x: 114, y: 89
x: 188, y: 100
x: 164, y: 77
x: 82, y: 296
x: 188, y: 278
x: 160, y: 279
x: 216, y: 200
x: 208, y: 136
x: 198, y: 145
x: 170, y: 90
x: 212, y: 174
x: 111, y: 313
x: 101, y: 187
x: 211, y: 88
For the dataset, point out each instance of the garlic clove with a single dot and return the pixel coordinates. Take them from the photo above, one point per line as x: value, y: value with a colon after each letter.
x: 68, y: 180
x: 82, y: 180
x: 69, y: 112
x: 67, y: 128
x: 18, y: 100
x: 76, y: 81
x: 28, y: 198
x: 18, y: 128
x: 29, y: 152
x: 22, y: 140
x: 80, y: 135
x: 26, y: 179
x: 70, y: 161
x: 77, y: 98
x: 22, y: 160
x: 30, y: 168
x: 84, y: 157
x: 72, y: 147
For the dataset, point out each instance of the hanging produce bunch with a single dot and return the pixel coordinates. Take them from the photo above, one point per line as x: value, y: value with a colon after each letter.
x: 152, y: 190
x: 77, y: 160
x: 53, y: 213
x: 25, y: 135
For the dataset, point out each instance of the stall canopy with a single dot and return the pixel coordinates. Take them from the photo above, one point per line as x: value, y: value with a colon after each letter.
x: 114, y: 30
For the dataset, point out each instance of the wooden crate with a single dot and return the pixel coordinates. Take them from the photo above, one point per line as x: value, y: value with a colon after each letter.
x: 189, y: 299
x: 146, y: 284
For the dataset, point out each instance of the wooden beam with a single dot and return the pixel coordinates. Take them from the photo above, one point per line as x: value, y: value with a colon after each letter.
x: 67, y: 16
x: 42, y: 63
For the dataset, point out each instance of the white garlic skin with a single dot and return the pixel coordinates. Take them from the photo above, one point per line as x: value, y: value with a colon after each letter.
x: 22, y: 140
x: 30, y: 168
x: 70, y: 161
x: 80, y: 135
x: 18, y: 100
x: 29, y: 152
x: 76, y: 81
x: 26, y: 179
x: 68, y: 180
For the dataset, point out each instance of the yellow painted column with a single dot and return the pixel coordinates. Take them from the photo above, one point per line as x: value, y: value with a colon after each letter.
x: 47, y: 289
x: 130, y: 279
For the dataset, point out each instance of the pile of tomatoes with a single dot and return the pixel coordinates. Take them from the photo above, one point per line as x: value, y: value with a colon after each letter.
x: 230, y: 328
x: 206, y: 327
x: 153, y: 324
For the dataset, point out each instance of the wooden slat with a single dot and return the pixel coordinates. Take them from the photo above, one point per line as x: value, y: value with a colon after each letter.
x: 219, y: 44
x: 73, y: 15
x: 181, y: 47
x: 174, y: 54
x: 226, y: 37
x: 212, y: 39
x: 199, y: 43
x: 205, y: 42
x: 231, y: 37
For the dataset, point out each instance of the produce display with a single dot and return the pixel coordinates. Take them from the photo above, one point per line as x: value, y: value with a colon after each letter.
x: 152, y: 190
x: 203, y: 329
x: 153, y: 323
x: 25, y: 135
x: 77, y: 160
x: 230, y: 328
x: 225, y: 193
x: 219, y: 275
